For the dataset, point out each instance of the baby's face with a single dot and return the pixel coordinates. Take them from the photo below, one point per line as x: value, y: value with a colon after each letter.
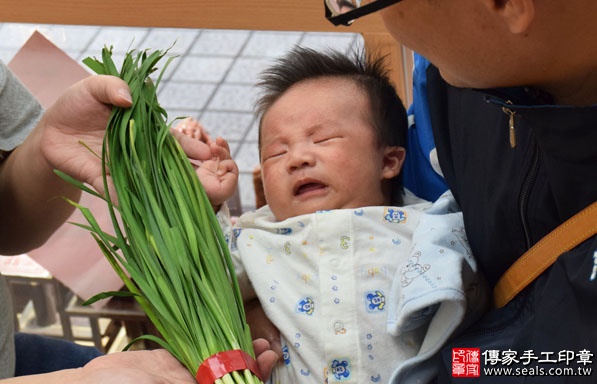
x: 319, y: 150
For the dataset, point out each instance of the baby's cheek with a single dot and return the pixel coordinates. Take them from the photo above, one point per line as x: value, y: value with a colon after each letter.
x: 269, y: 176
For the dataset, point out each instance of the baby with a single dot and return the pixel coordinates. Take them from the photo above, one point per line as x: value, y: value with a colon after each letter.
x: 333, y: 257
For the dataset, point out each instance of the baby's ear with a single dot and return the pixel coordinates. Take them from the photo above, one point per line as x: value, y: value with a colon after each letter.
x: 392, y: 161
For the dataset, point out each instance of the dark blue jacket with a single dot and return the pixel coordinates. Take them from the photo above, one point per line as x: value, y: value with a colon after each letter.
x: 511, y: 197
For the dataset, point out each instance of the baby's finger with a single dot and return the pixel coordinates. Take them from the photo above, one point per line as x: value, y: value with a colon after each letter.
x: 194, y: 149
x: 227, y: 166
x: 220, y: 141
x: 220, y: 152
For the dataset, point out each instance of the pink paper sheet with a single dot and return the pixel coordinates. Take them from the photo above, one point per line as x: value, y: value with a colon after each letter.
x: 71, y: 254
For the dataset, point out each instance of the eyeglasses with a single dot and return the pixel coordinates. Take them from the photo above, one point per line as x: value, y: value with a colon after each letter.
x: 346, y: 11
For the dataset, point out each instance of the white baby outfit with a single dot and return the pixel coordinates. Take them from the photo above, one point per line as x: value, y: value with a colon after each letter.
x: 333, y: 283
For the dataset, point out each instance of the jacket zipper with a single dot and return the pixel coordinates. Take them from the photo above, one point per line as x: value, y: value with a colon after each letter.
x: 529, y: 181
x: 511, y: 128
x: 529, y: 178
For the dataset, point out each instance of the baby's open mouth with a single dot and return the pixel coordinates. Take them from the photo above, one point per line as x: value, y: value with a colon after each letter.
x: 308, y: 187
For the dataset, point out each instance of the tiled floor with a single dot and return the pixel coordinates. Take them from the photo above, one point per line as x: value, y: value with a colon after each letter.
x: 211, y: 80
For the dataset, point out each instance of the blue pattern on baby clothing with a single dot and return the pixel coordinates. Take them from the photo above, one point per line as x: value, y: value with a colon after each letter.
x: 285, y: 355
x: 341, y: 369
x: 306, y: 305
x: 394, y: 215
x: 376, y: 301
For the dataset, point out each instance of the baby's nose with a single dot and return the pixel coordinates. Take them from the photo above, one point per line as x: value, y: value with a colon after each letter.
x: 300, y: 158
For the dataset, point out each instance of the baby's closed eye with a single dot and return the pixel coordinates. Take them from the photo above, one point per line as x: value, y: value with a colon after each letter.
x: 272, y: 154
x: 326, y: 139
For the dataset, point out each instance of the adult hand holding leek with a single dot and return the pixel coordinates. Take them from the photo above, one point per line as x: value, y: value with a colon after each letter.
x: 28, y: 186
x: 147, y: 367
x: 168, y: 248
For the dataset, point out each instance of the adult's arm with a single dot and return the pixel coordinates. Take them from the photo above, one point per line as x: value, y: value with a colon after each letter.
x: 68, y: 137
x: 30, y: 192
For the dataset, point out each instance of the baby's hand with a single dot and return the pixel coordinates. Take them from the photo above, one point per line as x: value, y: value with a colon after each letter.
x: 219, y: 175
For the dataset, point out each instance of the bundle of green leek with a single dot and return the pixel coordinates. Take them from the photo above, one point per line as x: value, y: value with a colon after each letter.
x: 168, y: 247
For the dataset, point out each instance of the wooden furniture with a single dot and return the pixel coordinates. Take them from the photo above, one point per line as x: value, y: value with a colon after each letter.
x: 46, y: 295
x: 28, y: 282
x: 52, y: 303
x: 119, y: 311
x: 272, y: 15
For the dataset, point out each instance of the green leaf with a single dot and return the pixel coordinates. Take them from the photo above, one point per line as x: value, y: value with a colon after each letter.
x: 106, y: 295
x: 95, y: 65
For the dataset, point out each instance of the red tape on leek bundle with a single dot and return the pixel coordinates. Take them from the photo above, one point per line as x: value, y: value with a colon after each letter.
x: 223, y: 363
